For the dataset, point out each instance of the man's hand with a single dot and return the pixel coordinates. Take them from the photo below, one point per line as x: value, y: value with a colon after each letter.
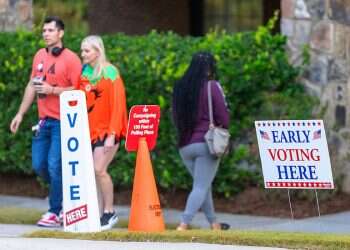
x: 16, y: 121
x: 43, y: 87
x: 28, y: 98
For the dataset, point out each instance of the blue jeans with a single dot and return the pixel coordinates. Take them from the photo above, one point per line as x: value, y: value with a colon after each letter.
x: 46, y: 160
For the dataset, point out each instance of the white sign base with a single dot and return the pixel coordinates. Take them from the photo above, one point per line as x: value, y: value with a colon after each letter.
x: 80, y: 205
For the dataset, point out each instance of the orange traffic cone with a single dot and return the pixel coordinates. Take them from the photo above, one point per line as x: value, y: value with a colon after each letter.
x: 146, y: 213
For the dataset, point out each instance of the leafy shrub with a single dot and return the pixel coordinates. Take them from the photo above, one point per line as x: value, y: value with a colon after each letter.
x: 253, y: 68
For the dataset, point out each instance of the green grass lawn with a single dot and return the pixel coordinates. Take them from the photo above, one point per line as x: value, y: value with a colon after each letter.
x: 230, y: 237
x: 14, y: 215
x: 11, y: 215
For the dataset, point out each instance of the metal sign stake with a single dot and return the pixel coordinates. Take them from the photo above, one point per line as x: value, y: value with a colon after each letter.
x: 318, y: 205
x: 290, y: 206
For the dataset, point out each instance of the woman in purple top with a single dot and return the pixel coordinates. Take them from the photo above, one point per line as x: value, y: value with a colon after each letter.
x: 191, y: 118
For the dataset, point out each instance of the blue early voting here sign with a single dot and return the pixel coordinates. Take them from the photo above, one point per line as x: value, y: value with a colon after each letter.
x: 294, y: 154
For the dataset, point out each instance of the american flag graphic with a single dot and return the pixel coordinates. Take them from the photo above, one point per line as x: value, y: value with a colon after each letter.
x: 264, y: 135
x: 317, y: 134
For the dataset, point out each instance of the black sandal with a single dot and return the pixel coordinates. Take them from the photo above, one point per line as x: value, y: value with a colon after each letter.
x: 224, y: 226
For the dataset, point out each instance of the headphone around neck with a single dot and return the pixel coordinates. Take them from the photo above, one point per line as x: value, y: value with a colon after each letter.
x: 55, y: 51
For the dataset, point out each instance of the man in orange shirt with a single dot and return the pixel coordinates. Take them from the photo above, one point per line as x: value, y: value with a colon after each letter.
x: 54, y: 70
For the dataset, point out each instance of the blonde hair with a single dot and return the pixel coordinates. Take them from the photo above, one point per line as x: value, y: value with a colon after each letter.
x: 96, y: 43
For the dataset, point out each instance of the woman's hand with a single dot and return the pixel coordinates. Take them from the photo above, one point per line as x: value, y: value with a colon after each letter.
x: 109, y: 143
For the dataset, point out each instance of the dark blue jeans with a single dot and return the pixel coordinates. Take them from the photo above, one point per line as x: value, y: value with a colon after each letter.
x: 46, y: 160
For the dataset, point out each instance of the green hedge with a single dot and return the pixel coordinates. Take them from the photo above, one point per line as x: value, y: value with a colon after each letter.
x: 253, y: 68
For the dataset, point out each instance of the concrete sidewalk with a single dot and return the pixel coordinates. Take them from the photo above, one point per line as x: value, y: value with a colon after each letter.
x: 335, y: 223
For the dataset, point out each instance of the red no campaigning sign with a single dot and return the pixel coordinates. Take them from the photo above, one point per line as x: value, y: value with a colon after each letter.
x: 143, y: 122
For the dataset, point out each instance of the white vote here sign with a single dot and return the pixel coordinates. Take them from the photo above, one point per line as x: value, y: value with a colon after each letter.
x: 294, y: 154
x: 80, y: 206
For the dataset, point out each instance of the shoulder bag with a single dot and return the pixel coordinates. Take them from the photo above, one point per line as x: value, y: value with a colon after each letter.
x: 217, y: 138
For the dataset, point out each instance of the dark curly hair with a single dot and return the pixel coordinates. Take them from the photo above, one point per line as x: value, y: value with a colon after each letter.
x: 187, y: 90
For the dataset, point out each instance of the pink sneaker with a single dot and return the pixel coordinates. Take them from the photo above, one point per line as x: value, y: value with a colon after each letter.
x: 49, y: 220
